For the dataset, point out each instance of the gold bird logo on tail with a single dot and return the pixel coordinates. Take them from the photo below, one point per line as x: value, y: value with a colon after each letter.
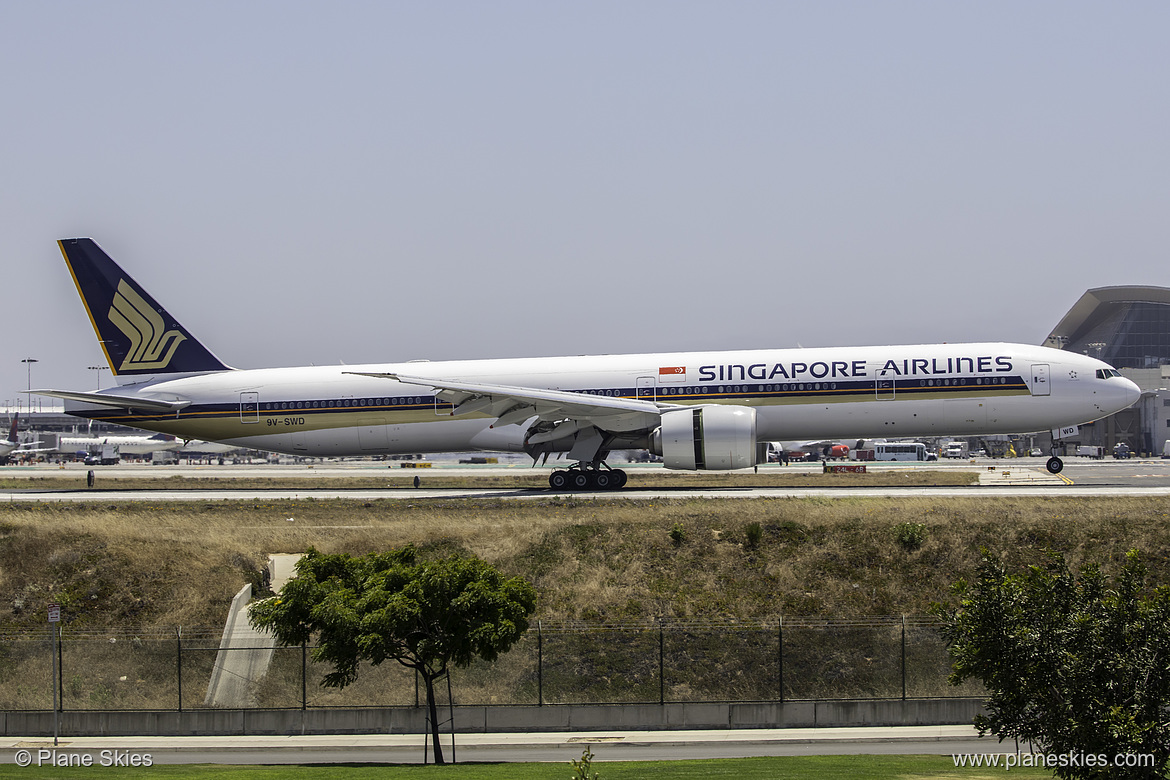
x: 144, y: 327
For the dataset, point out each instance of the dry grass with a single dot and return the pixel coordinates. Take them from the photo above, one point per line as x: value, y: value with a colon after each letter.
x: 145, y: 565
x: 165, y: 564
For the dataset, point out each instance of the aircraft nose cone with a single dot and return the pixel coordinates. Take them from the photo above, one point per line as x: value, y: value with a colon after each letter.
x: 1132, y: 393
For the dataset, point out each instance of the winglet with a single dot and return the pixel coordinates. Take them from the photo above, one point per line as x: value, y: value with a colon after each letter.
x: 138, y: 336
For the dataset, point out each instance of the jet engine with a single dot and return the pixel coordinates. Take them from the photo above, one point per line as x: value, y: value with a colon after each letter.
x: 711, y: 438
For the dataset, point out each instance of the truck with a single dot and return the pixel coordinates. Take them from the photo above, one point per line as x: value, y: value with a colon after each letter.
x: 103, y: 455
x: 955, y: 449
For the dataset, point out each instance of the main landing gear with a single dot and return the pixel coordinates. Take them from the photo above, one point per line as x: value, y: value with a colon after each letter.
x: 580, y: 477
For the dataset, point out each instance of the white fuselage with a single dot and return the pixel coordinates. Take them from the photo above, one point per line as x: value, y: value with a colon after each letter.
x: 125, y: 445
x: 838, y: 392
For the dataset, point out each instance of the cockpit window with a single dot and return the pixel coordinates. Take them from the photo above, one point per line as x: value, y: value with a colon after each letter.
x: 1106, y: 373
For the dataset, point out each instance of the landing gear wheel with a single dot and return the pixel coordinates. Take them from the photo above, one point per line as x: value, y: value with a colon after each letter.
x: 1054, y: 465
x: 580, y: 480
x: 603, y: 480
x: 619, y: 479
x: 558, y: 480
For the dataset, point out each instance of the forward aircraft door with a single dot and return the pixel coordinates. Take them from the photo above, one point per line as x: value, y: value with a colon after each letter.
x: 647, y: 388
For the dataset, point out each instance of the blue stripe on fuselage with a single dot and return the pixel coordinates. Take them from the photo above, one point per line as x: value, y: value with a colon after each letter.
x: 748, y: 392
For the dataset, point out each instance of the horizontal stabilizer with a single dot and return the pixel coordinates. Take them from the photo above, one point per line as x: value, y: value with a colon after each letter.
x: 119, y: 401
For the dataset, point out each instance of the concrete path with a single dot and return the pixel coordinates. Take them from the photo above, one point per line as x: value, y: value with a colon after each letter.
x: 558, y: 746
x: 244, y: 652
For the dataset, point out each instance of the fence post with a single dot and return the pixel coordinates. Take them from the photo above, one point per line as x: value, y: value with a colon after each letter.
x: 539, y: 664
x: 780, y: 629
x: 179, y: 663
x: 903, y: 658
x: 54, y: 634
x: 304, y: 675
x: 661, y: 668
x: 60, y: 669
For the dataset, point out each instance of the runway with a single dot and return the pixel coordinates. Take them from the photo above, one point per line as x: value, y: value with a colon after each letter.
x: 1017, y: 477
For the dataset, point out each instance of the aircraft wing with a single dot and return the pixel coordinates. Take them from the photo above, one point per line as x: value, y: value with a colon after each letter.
x: 810, y: 446
x: 9, y: 448
x: 28, y: 449
x: 515, y: 404
x: 119, y: 401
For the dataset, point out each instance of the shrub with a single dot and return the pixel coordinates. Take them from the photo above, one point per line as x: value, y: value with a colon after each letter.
x: 582, y: 769
x: 910, y: 535
x: 677, y: 534
x: 753, y: 535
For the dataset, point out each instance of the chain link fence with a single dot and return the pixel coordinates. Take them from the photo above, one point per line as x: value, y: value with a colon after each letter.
x: 798, y: 659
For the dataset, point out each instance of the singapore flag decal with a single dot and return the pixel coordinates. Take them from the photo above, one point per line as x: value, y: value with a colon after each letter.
x: 676, y: 374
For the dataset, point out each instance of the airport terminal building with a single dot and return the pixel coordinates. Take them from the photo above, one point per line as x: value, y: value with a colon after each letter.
x: 1129, y: 328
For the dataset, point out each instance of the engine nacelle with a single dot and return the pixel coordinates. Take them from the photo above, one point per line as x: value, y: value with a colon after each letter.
x: 711, y: 438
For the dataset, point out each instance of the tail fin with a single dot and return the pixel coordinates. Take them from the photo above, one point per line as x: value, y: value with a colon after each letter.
x: 138, y: 336
x: 12, y: 431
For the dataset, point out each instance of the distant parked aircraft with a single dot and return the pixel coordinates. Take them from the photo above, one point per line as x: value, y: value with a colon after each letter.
x: 124, y: 445
x: 12, y: 446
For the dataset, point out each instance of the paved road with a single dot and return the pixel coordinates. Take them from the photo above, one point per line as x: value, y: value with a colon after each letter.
x: 606, y: 746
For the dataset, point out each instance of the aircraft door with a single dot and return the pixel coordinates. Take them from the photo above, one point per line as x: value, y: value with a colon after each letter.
x: 249, y: 407
x: 1040, y: 383
x: 647, y: 388
x: 884, y: 385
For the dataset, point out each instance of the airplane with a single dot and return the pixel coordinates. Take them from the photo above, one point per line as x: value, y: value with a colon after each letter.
x: 13, y: 446
x: 125, y: 445
x: 822, y: 449
x: 697, y: 410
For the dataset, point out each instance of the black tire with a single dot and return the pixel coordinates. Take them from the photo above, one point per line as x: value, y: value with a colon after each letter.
x: 558, y: 480
x: 619, y: 479
x: 603, y: 480
x: 580, y: 480
x: 1054, y: 465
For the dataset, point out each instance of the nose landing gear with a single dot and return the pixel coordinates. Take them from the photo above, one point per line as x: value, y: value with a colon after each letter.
x: 1055, y: 465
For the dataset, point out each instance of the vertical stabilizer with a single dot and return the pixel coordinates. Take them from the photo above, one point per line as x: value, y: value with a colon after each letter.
x: 139, y: 337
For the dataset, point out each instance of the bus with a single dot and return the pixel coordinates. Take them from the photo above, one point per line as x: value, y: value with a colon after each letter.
x: 902, y: 450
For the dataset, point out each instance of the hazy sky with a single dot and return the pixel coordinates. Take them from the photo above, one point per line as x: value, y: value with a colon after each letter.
x: 364, y: 182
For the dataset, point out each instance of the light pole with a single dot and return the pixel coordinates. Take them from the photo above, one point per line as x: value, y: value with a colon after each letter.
x: 99, y: 369
x: 29, y: 361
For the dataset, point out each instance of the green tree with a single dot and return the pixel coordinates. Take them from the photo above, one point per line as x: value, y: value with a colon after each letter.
x: 1074, y: 663
x: 425, y: 614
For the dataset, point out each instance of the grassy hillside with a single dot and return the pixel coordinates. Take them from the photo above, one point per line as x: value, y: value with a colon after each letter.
x: 155, y: 564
